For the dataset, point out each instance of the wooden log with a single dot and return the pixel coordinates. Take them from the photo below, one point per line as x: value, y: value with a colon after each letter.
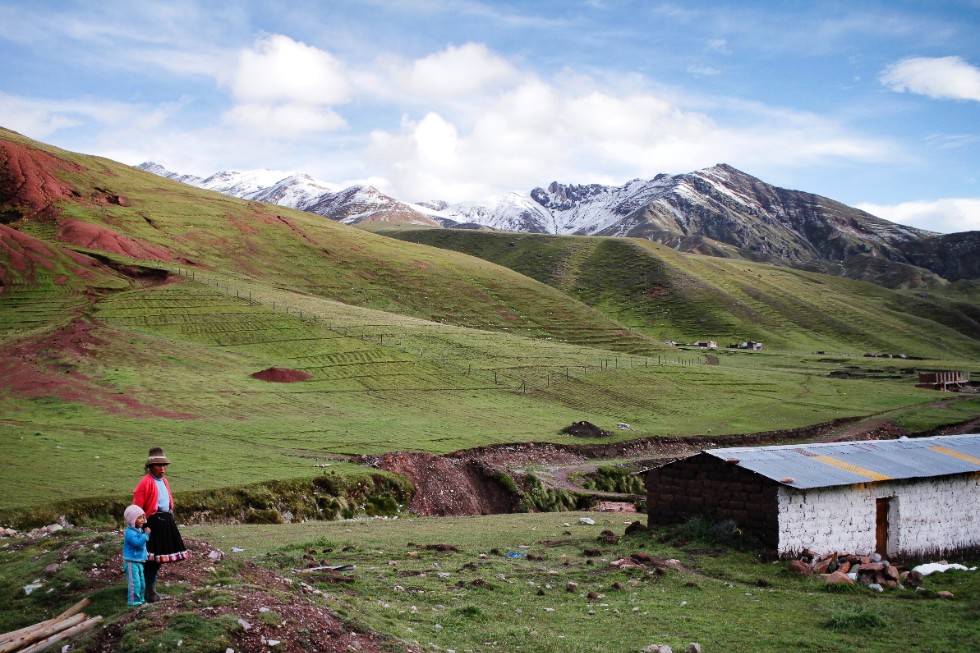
x: 65, y: 634
x: 40, y: 631
x: 78, y: 607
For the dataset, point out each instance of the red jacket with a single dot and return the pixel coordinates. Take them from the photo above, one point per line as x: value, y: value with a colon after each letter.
x: 145, y: 494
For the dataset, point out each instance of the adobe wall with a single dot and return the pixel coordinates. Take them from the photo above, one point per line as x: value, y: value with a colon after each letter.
x: 706, y: 486
x: 925, y: 516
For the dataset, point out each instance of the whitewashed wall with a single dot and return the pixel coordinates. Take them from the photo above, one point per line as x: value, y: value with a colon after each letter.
x: 925, y: 516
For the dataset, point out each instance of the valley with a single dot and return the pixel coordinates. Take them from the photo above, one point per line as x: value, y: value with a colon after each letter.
x: 336, y: 383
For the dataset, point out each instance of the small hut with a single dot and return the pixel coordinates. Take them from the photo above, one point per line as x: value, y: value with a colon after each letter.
x: 948, y: 380
x: 910, y: 497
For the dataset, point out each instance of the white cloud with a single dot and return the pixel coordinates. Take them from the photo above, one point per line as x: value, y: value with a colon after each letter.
x: 703, y: 70
x: 457, y: 71
x: 575, y: 130
x: 32, y: 119
x: 944, y: 215
x: 288, y: 88
x: 939, y: 78
x: 39, y: 118
x: 286, y: 120
x: 719, y: 45
x: 279, y: 69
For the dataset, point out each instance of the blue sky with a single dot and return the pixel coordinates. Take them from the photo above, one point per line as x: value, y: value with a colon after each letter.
x: 875, y: 104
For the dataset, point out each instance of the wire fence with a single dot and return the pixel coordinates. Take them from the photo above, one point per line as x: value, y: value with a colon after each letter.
x: 519, y: 378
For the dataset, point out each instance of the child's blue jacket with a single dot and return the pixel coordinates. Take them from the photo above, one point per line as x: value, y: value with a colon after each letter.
x: 134, y: 545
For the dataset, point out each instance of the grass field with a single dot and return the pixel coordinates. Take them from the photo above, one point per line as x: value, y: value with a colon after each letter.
x: 409, y: 347
x: 429, y: 596
x: 382, y: 382
x: 528, y: 582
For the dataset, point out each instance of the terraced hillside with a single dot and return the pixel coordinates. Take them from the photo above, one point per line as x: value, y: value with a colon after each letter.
x: 665, y: 294
x: 137, y: 311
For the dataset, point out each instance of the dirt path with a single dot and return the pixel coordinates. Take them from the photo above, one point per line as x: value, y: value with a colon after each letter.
x: 466, y: 482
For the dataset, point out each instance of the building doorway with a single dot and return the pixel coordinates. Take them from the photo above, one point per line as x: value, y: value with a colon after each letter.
x: 882, y: 507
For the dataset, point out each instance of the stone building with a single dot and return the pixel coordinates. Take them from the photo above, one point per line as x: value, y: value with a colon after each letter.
x: 910, y: 497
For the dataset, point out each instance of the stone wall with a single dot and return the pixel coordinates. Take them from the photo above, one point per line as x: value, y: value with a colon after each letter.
x: 706, y: 486
x: 925, y: 516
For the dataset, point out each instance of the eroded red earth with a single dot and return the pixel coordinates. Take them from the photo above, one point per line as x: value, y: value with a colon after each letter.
x: 93, y: 236
x: 49, y: 365
x: 27, y: 178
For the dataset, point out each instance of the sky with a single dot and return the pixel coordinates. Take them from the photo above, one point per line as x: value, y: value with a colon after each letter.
x: 872, y: 103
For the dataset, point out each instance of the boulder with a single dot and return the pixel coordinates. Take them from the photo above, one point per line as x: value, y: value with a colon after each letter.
x: 837, y: 578
x: 800, y: 567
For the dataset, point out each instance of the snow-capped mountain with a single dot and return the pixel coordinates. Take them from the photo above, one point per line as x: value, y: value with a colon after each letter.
x: 718, y: 210
x: 508, y: 212
x: 351, y: 205
x: 159, y: 170
x: 359, y: 204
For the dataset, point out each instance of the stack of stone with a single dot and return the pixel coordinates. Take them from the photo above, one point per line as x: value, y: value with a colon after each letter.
x: 842, y: 568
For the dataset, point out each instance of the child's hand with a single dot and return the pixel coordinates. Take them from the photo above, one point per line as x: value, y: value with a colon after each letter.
x: 146, y: 529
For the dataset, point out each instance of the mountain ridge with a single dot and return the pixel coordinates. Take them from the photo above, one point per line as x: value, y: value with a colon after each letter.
x: 717, y: 211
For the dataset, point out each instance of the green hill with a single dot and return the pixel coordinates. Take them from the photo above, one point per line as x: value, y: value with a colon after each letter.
x: 664, y: 294
x: 135, y: 311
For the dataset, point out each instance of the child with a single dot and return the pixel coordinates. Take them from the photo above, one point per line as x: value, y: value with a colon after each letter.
x: 134, y: 554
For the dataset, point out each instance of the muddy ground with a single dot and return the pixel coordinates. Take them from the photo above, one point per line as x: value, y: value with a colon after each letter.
x: 463, y: 482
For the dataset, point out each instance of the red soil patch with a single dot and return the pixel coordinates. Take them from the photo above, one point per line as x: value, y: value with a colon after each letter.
x: 25, y: 254
x: 281, y: 375
x: 464, y: 482
x: 446, y: 485
x: 50, y: 366
x: 307, y: 622
x: 27, y: 178
x: 92, y: 236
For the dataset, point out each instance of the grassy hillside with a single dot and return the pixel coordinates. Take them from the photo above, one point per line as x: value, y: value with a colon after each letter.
x: 135, y: 311
x: 665, y: 294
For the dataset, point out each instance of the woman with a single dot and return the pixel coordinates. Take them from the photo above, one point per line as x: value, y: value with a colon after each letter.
x: 153, y: 495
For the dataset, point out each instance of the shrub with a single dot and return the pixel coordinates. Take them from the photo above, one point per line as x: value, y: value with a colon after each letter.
x: 506, y: 481
x: 855, y: 617
x: 267, y: 516
x: 715, y: 533
x: 609, y: 478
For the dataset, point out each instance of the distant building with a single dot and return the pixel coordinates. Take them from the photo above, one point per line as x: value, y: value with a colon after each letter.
x: 747, y: 344
x: 943, y: 380
x: 909, y: 497
x: 706, y: 344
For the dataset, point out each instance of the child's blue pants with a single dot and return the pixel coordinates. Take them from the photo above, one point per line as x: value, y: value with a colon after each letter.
x: 136, y: 584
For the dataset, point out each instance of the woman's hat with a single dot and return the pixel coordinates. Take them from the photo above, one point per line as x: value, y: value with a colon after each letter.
x: 131, y: 513
x: 157, y: 457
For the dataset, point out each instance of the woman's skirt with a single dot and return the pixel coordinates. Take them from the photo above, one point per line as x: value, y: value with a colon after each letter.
x: 165, y: 543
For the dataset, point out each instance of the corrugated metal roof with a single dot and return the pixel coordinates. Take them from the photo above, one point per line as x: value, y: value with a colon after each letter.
x: 846, y: 463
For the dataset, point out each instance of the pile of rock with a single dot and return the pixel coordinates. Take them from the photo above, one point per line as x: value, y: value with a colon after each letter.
x: 693, y: 647
x: 43, y: 531
x: 842, y: 568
